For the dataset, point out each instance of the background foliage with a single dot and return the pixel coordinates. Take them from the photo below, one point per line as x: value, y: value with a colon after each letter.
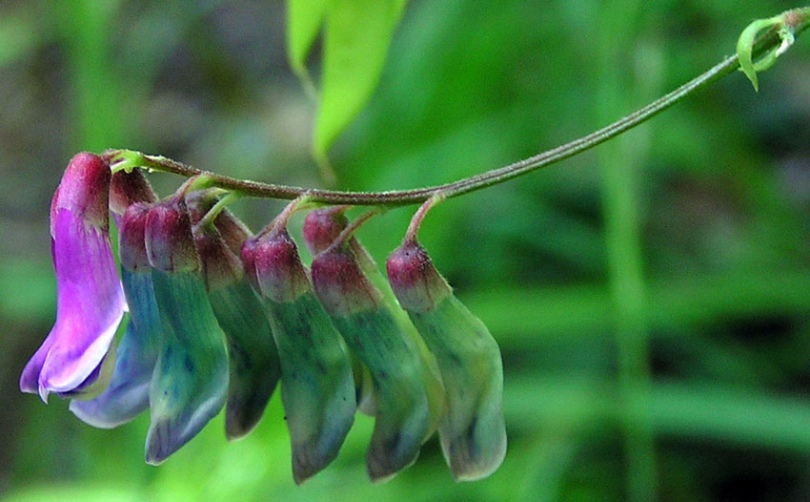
x: 650, y: 298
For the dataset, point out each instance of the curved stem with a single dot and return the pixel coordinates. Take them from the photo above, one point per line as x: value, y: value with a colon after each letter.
x: 416, y: 220
x: 127, y: 159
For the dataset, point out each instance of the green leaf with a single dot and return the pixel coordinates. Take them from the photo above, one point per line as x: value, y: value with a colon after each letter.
x: 304, y: 19
x: 357, y: 34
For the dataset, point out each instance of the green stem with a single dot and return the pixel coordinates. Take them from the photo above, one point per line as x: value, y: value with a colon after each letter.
x: 620, y: 164
x: 770, y: 40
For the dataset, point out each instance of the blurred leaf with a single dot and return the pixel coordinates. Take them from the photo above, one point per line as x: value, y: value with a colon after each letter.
x: 304, y: 18
x: 356, y: 39
x: 18, y: 35
x: 716, y: 412
x: 585, y: 310
x: 79, y: 493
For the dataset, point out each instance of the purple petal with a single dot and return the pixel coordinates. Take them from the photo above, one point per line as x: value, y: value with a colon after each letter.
x: 89, y: 306
x: 29, y: 381
x: 128, y: 392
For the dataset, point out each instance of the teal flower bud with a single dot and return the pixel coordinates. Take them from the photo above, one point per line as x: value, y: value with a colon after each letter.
x: 403, y: 415
x: 472, y: 433
x: 321, y: 228
x: 317, y: 386
x: 254, y: 364
x: 190, y: 381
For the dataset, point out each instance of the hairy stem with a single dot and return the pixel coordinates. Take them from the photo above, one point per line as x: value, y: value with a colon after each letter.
x: 770, y: 40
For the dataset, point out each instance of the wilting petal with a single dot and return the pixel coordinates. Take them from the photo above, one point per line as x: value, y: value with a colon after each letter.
x: 473, y: 434
x: 128, y: 392
x: 89, y: 307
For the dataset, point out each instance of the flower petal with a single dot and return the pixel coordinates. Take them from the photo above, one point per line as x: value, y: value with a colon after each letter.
x: 89, y: 306
x: 29, y: 380
x: 128, y: 392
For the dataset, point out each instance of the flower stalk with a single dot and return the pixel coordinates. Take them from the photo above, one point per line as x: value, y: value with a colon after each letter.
x: 765, y: 38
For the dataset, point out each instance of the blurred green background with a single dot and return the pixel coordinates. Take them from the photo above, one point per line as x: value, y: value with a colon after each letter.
x: 651, y: 297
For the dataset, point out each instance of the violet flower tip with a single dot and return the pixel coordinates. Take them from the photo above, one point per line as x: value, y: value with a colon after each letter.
x: 43, y: 393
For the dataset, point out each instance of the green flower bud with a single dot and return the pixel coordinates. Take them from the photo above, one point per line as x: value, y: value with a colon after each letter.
x: 472, y: 433
x: 403, y: 418
x: 317, y: 385
x: 254, y: 364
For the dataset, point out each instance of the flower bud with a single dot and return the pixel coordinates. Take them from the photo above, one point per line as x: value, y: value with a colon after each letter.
x: 190, y: 382
x: 317, y: 386
x: 416, y: 282
x: 322, y: 227
x: 131, y: 238
x: 274, y: 267
x: 169, y: 242
x: 254, y: 365
x: 403, y: 411
x: 472, y: 433
x: 341, y: 285
x: 232, y: 230
x: 221, y: 267
x: 129, y: 188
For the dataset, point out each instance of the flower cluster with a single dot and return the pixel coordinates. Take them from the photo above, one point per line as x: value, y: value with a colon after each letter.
x: 218, y: 318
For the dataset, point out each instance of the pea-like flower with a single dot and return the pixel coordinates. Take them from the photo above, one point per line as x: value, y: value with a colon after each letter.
x: 218, y: 317
x: 90, y: 301
x: 127, y: 394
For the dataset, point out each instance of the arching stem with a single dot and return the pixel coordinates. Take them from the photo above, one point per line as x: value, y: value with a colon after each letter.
x: 795, y: 20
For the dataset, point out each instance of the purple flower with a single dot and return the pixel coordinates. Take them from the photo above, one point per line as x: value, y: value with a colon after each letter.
x: 90, y: 302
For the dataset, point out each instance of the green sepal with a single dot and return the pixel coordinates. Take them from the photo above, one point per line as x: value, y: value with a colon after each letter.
x: 317, y: 384
x: 747, y: 39
x: 254, y: 364
x: 472, y: 433
x: 190, y: 382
